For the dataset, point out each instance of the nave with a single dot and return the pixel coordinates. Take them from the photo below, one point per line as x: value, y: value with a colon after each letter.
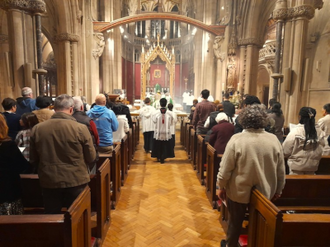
x: 163, y: 205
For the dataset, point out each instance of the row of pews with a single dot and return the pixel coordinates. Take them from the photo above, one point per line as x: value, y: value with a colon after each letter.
x: 301, y: 217
x: 86, y: 222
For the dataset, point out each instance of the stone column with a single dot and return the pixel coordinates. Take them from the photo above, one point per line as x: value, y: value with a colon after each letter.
x: 21, y: 40
x: 279, y: 15
x: 300, y: 16
x: 250, y: 58
x: 67, y: 63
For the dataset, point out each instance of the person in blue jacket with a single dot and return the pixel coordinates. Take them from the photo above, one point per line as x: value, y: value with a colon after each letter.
x: 106, y: 123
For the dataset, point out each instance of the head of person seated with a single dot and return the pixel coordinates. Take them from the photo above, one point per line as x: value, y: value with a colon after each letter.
x: 251, y: 100
x: 119, y: 100
x: 276, y: 108
x: 307, y: 118
x: 9, y: 104
x: 205, y: 94
x: 147, y: 101
x: 27, y: 92
x: 253, y: 117
x: 43, y: 102
x: 216, y: 102
x: 221, y: 116
x: 100, y: 99
x: 170, y: 106
x: 219, y: 107
x: 78, y: 104
x: 163, y: 102
x: 3, y: 129
x: 271, y: 102
x: 28, y: 120
x: 326, y: 109
x: 64, y: 103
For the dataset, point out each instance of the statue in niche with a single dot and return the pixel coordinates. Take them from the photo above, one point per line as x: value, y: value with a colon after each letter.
x: 231, y: 75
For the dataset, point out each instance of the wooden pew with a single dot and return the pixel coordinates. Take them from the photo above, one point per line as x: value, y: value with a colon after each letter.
x: 324, y: 166
x: 100, y: 193
x: 124, y: 159
x: 115, y: 167
x: 133, y: 139
x: 212, y: 168
x: 69, y: 229
x: 323, y: 169
x: 193, y: 148
x: 182, y: 126
x: 184, y: 133
x: 130, y: 147
x: 201, y: 157
x: 269, y: 226
x: 302, y: 194
x: 305, y: 190
x: 187, y: 142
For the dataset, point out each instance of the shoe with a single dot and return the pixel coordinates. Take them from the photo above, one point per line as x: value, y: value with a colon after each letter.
x: 223, y: 243
x: 158, y: 160
x: 162, y: 161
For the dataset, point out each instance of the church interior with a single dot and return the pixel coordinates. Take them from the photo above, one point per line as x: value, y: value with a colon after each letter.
x: 273, y: 49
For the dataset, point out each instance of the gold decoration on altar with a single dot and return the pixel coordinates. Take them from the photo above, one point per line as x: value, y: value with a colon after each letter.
x: 157, y: 50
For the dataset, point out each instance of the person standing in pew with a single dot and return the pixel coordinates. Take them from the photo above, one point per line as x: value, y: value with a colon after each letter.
x: 12, y: 119
x: 253, y: 158
x: 81, y: 117
x: 60, y: 149
x: 202, y: 111
x: 106, y: 123
x: 162, y: 136
x: 304, y: 144
x: 324, y: 124
x: 12, y: 163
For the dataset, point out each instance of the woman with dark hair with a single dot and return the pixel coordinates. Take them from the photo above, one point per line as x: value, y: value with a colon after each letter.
x: 28, y: 120
x: 276, y: 113
x: 44, y: 113
x: 304, y: 144
x: 12, y: 164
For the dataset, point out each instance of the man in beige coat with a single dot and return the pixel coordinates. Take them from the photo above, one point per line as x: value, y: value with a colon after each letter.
x: 253, y: 158
x: 60, y: 149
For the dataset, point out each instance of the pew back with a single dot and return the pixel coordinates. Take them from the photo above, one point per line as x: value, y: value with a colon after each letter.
x: 70, y: 229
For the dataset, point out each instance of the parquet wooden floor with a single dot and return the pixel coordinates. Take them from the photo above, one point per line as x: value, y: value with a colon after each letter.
x: 163, y: 205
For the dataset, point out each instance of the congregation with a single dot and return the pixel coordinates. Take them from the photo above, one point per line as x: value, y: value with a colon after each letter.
x: 56, y: 145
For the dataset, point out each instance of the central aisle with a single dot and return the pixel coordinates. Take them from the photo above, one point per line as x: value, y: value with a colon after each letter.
x: 163, y: 205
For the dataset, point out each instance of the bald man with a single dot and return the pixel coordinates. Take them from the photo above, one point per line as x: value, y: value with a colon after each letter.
x: 106, y: 123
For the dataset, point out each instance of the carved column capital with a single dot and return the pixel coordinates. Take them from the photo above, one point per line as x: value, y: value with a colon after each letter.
x: 250, y: 41
x: 3, y: 38
x: 307, y: 11
x: 67, y: 37
x: 100, y: 43
x: 35, y: 6
x: 280, y: 11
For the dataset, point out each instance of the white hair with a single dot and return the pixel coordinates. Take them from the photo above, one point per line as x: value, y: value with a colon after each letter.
x: 77, y: 103
x: 26, y: 91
